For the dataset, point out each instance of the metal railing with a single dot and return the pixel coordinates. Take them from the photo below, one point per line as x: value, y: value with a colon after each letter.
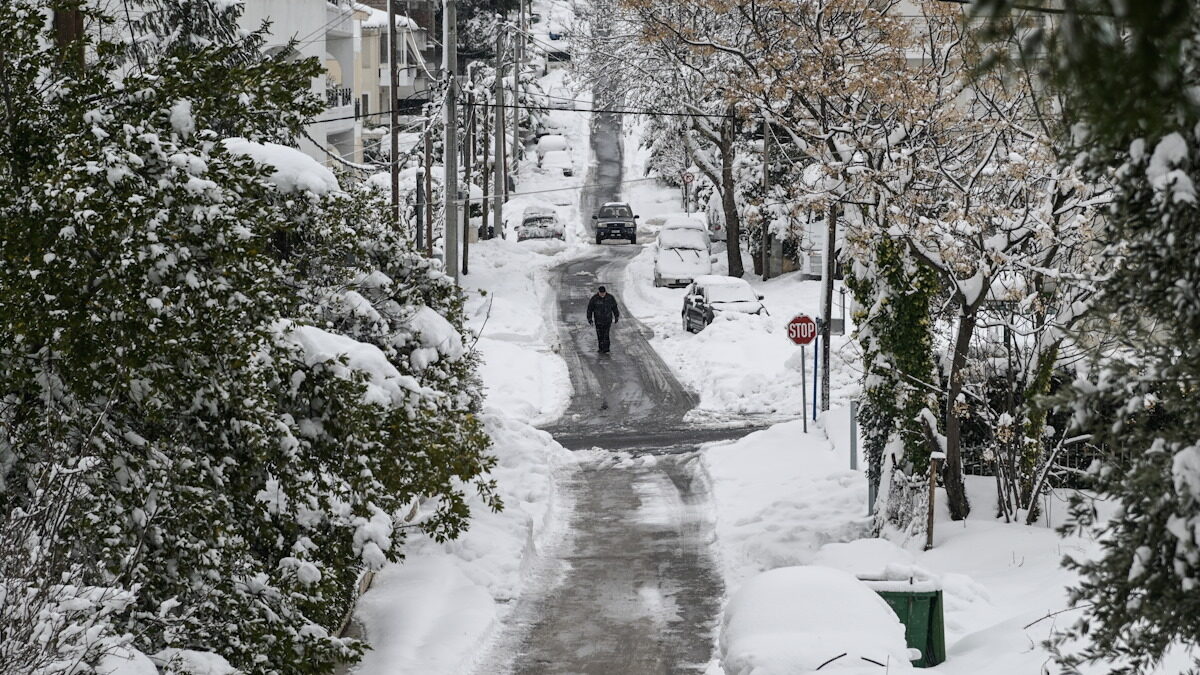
x: 336, y: 97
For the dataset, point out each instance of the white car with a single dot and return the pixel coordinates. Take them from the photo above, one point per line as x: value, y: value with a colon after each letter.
x: 680, y: 256
x: 558, y: 161
x: 560, y: 98
x: 713, y: 294
x: 550, y: 143
x: 540, y: 225
x: 681, y: 221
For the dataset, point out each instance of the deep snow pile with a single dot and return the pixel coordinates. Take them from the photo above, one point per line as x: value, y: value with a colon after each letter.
x: 779, y: 496
x: 434, y: 612
x: 800, y: 619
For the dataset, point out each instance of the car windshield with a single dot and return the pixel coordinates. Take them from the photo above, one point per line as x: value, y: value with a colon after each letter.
x: 731, y: 293
x: 689, y: 239
x: 539, y: 221
x: 616, y: 212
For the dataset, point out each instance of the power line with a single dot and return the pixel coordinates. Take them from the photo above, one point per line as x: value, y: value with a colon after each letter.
x: 651, y: 113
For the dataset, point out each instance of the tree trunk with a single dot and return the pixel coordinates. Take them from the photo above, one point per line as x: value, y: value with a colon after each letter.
x: 831, y: 216
x: 956, y: 493
x: 733, y: 224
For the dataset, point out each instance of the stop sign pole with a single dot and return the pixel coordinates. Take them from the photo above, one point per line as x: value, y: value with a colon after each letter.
x: 802, y: 330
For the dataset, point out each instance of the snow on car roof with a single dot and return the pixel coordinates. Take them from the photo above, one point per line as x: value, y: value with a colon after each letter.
x: 615, y: 204
x: 719, y: 280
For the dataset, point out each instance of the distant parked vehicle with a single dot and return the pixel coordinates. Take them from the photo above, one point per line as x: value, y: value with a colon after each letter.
x: 682, y: 221
x: 550, y: 143
x: 712, y: 294
x: 540, y: 225
x: 553, y: 123
x: 560, y: 98
x: 680, y: 256
x: 558, y: 161
x: 615, y: 220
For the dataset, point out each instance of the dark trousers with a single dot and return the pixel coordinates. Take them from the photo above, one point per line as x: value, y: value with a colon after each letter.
x: 602, y: 335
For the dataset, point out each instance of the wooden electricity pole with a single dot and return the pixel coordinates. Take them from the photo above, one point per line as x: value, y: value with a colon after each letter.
x: 515, y: 155
x: 428, y: 175
x: 68, y: 36
x: 500, y: 170
x: 766, y: 181
x: 484, y: 168
x: 451, y: 149
x: 468, y: 156
x: 394, y: 125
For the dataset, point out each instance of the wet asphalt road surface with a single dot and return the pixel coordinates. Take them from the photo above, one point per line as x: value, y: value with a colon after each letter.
x: 634, y: 588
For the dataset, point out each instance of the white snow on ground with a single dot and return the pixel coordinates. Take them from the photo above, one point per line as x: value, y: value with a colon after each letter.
x: 784, y: 498
x: 779, y: 496
x: 433, y: 612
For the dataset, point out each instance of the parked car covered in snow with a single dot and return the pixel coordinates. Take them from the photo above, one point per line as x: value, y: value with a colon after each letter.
x: 615, y: 220
x: 551, y: 143
x: 560, y: 98
x: 713, y: 294
x: 558, y: 161
x: 538, y: 223
x: 680, y: 256
x: 682, y: 221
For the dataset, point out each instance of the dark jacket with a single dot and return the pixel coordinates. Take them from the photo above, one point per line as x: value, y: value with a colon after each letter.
x: 603, y: 310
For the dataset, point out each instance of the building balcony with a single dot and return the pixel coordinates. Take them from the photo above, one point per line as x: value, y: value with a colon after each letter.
x: 337, y: 97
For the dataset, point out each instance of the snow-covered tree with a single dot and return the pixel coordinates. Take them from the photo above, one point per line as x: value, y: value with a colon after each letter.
x: 261, y: 379
x: 1137, y: 396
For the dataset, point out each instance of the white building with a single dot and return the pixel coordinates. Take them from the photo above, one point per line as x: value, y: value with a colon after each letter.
x: 331, y: 31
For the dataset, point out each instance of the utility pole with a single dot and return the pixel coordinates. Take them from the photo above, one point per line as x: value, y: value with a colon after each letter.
x: 518, y: 64
x: 394, y: 76
x: 483, y: 171
x: 68, y: 36
x: 428, y: 183
x: 831, y: 215
x: 500, y: 170
x: 450, y: 154
x: 467, y: 167
x: 766, y: 179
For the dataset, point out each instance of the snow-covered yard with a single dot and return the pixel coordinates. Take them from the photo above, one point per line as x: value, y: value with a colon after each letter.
x: 784, y: 498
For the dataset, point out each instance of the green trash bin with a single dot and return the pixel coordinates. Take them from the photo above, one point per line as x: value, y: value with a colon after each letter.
x: 921, y: 614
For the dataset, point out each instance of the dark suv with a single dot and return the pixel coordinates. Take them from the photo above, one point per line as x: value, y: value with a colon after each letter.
x: 615, y: 220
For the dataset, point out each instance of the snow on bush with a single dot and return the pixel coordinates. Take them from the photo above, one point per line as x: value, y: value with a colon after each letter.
x: 294, y: 171
x: 794, y: 620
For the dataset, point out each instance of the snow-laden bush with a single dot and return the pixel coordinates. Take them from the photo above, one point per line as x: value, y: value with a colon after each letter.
x: 156, y: 282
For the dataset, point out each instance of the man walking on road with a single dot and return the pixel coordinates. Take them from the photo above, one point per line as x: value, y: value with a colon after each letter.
x: 602, y: 311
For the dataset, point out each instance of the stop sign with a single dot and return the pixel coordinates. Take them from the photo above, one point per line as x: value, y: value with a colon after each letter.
x: 801, y: 329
